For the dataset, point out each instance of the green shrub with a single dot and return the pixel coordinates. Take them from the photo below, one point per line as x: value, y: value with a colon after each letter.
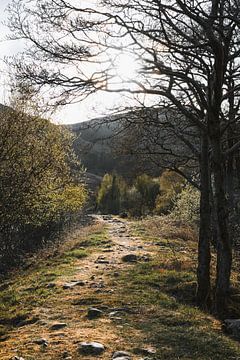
x: 186, y: 205
x: 148, y: 188
x: 171, y: 184
x: 111, y: 194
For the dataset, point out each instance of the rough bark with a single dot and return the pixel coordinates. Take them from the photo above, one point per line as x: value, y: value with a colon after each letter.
x: 204, y: 253
x: 224, y: 246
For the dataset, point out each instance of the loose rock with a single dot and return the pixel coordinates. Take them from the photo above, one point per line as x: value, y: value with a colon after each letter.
x: 73, y: 284
x: 51, y: 286
x: 94, y: 313
x: 232, y: 326
x: 42, y: 342
x: 91, y: 348
x: 130, y: 258
x: 121, y: 355
x: 58, y: 326
x: 145, y: 351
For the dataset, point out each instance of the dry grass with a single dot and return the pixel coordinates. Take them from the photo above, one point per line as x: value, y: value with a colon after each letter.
x: 165, y: 227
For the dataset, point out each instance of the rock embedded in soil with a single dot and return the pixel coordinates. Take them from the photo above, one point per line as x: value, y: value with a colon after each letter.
x: 58, y: 326
x: 121, y: 355
x: 73, y: 284
x: 145, y: 351
x: 17, y: 358
x: 102, y: 261
x: 232, y: 326
x: 94, y: 313
x: 91, y: 348
x: 130, y: 258
x: 41, y: 341
x: 50, y: 285
x: 66, y: 355
x: 145, y: 258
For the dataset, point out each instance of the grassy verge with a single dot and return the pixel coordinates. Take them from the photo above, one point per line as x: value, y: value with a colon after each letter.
x: 162, y: 293
x: 28, y: 289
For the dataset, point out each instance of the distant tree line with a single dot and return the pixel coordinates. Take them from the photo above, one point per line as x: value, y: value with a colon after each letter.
x: 148, y: 195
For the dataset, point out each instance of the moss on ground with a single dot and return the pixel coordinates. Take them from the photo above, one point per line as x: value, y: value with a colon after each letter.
x: 30, y: 287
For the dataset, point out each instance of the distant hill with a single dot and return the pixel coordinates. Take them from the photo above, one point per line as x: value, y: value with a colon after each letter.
x: 95, y: 145
x: 141, y: 140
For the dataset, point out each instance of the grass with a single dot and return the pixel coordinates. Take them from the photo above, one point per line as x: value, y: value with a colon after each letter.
x: 29, y: 288
x: 178, y: 330
x: 163, y: 292
x: 77, y: 253
x: 159, y: 295
x: 167, y: 318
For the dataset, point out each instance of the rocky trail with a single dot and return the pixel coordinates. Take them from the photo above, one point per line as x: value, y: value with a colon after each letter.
x: 83, y: 321
x: 113, y: 291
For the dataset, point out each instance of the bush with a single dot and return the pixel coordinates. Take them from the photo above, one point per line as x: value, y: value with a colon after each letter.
x: 149, y: 189
x: 40, y: 179
x: 186, y: 205
x: 112, y: 194
x: 171, y: 184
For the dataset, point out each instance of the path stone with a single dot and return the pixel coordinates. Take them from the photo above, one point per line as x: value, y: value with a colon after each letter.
x: 102, y: 260
x: 91, y: 348
x: 66, y: 355
x: 94, y: 313
x: 145, y: 258
x: 51, y: 285
x: 73, y: 284
x: 130, y: 258
x: 41, y: 341
x: 58, y: 326
x: 121, y: 355
x: 99, y: 285
x: 144, y: 351
x: 232, y: 326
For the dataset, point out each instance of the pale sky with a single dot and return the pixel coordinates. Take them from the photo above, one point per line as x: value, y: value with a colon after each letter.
x: 96, y: 105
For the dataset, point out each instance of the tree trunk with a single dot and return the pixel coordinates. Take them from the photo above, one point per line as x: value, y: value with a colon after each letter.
x: 224, y: 246
x: 204, y: 253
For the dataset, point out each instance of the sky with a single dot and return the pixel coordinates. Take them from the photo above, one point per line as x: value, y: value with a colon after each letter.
x: 96, y: 105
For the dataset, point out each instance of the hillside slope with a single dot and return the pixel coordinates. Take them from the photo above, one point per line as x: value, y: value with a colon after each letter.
x: 141, y: 140
x: 95, y: 145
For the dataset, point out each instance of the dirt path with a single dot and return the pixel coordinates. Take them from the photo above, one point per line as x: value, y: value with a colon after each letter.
x: 62, y: 322
x: 121, y: 284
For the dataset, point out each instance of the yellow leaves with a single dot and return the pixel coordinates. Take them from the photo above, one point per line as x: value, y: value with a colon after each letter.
x: 71, y: 199
x: 171, y: 184
x: 37, y: 181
